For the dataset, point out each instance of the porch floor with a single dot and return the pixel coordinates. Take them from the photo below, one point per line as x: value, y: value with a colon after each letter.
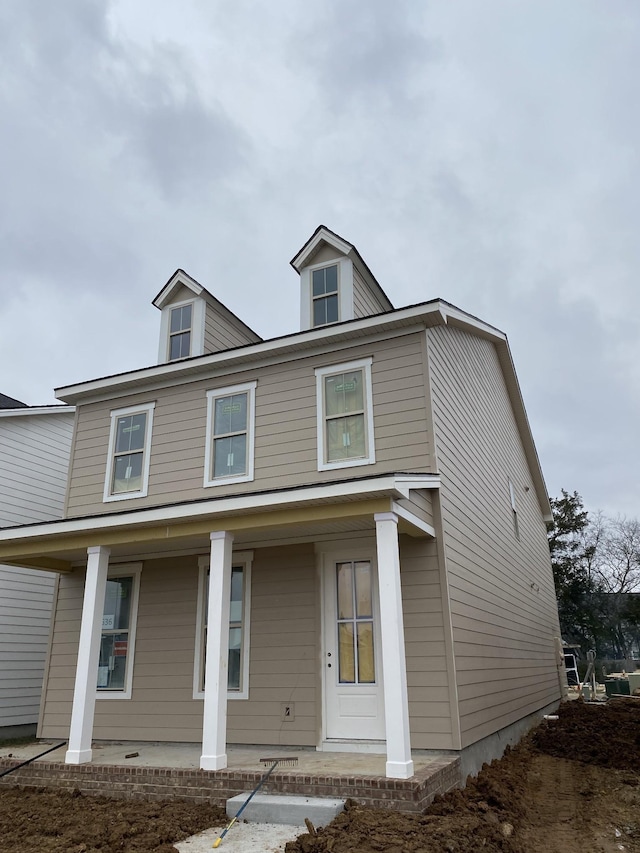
x: 172, y: 770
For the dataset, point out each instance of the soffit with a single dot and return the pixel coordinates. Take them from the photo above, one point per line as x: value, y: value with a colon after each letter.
x: 56, y: 545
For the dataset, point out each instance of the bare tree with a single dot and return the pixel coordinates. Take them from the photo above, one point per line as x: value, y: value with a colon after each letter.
x: 617, y: 558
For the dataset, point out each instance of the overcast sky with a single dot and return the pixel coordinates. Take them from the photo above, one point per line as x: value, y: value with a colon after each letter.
x: 482, y: 152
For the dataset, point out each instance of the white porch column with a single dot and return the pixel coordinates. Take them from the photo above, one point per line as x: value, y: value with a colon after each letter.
x: 84, y: 693
x: 214, y: 729
x: 394, y: 668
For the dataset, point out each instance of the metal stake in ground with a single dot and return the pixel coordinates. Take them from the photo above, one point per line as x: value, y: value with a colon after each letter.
x: 218, y: 840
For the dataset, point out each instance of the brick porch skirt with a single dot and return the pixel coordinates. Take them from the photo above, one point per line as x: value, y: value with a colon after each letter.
x: 160, y: 783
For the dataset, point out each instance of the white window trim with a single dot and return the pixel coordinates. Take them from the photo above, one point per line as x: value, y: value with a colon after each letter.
x: 364, y: 365
x: 126, y: 570
x: 115, y: 414
x: 239, y: 558
x: 197, y: 329
x: 345, y: 292
x: 250, y: 389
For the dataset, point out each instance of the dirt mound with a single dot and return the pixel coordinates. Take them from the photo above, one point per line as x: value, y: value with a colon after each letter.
x: 572, y: 786
x: 69, y: 822
x: 534, y: 800
x: 602, y: 735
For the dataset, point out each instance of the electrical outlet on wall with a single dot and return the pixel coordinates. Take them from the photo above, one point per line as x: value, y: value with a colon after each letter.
x: 287, y: 712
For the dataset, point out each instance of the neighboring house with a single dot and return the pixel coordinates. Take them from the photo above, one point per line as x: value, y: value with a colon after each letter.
x: 34, y: 460
x: 332, y: 539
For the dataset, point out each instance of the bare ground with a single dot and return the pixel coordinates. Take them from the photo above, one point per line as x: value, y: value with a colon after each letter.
x: 573, y: 785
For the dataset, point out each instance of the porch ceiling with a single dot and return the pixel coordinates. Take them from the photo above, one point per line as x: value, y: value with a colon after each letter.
x: 295, y: 515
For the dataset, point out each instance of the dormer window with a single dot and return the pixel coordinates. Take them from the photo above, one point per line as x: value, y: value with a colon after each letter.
x: 325, y: 295
x: 180, y: 332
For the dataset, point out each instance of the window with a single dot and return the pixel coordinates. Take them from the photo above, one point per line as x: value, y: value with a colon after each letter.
x: 345, y: 415
x: 240, y: 606
x: 180, y: 332
x: 354, y: 607
x: 230, y: 435
x: 129, y: 452
x: 324, y: 295
x: 514, y: 510
x: 182, y: 325
x: 115, y: 666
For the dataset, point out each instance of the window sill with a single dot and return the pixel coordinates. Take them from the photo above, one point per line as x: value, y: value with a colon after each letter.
x: 231, y: 695
x: 113, y: 694
x: 126, y: 496
x: 227, y: 481
x: 346, y: 463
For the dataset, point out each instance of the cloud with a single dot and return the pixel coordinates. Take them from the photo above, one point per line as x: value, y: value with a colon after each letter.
x: 481, y: 152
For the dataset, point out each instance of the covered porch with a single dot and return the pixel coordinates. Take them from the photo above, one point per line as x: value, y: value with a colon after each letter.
x: 214, y: 533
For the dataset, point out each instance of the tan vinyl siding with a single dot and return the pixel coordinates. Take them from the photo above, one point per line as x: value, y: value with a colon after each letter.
x: 502, y: 600
x: 366, y: 303
x: 427, y: 680
x: 182, y: 294
x: 284, y: 650
x: 222, y: 331
x: 420, y: 503
x: 285, y: 434
x: 284, y: 653
x: 325, y: 255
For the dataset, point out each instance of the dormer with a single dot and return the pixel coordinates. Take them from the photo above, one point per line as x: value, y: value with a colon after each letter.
x: 193, y: 322
x: 335, y: 283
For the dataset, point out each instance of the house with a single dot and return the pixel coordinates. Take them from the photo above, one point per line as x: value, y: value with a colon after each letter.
x: 332, y: 539
x: 34, y: 457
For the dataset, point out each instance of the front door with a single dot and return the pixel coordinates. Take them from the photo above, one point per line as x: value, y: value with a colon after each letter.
x: 354, y: 702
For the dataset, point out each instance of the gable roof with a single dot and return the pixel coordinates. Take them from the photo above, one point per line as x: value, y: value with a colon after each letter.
x: 7, y: 402
x: 322, y: 234
x: 182, y: 279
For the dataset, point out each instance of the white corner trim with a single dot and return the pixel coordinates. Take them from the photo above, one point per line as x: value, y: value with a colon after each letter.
x: 345, y: 289
x: 118, y: 571
x: 245, y: 559
x: 115, y: 414
x: 321, y: 372
x: 248, y: 388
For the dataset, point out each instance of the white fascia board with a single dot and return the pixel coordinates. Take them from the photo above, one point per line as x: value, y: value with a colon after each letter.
x: 468, y: 321
x: 36, y: 410
x: 242, y: 503
x: 180, y: 278
x: 408, y: 482
x: 322, y: 236
x: 253, y: 352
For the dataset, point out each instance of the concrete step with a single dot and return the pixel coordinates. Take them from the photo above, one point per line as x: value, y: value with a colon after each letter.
x: 284, y: 808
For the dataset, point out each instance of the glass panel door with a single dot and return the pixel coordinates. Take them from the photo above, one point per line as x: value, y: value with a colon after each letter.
x: 356, y: 654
